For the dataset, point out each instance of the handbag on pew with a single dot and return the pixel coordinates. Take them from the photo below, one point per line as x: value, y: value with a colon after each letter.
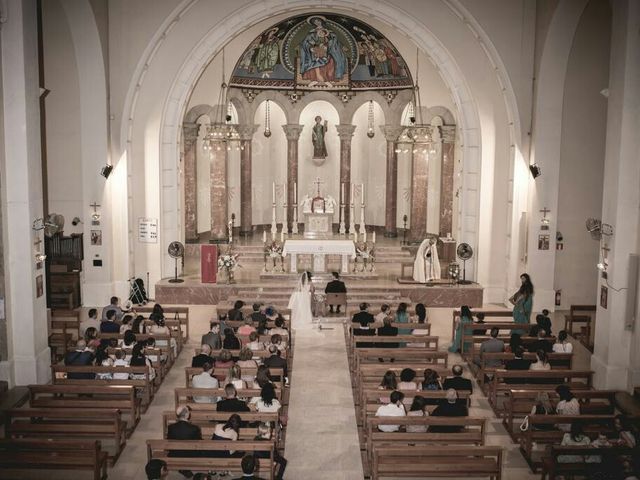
x: 524, y: 426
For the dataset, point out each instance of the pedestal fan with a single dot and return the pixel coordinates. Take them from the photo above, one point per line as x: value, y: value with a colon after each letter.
x: 176, y: 251
x: 464, y: 252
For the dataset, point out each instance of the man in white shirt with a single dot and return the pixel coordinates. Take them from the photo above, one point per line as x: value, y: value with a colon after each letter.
x: 205, y: 380
x: 394, y: 408
x: 120, y: 362
x: 383, y: 313
x: 92, y: 321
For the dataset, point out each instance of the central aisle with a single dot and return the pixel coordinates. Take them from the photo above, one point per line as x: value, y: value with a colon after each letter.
x: 322, y: 437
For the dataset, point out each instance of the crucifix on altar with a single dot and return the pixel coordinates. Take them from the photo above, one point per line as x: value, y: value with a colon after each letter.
x: 318, y: 213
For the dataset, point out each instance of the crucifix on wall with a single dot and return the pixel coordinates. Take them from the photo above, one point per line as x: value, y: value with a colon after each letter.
x: 545, y: 221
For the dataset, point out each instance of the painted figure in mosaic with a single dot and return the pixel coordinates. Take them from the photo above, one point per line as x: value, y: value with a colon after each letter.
x: 321, y: 56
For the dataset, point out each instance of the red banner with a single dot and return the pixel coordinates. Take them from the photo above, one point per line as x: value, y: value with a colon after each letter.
x: 208, y: 263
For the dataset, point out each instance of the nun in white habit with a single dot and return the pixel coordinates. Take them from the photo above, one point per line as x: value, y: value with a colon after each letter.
x: 426, y: 266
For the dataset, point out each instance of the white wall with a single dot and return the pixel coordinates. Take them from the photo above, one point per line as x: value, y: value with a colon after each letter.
x: 582, y: 155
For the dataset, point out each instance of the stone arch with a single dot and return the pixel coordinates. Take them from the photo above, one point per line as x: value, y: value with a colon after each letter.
x: 196, y: 112
x: 309, y: 98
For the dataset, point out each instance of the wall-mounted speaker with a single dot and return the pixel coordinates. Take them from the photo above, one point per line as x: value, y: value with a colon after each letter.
x: 631, y: 310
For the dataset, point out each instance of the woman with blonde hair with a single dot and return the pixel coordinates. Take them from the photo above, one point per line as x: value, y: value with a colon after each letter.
x: 234, y: 376
x: 246, y: 362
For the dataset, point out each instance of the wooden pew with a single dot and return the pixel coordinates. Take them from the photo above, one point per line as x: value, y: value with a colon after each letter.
x: 67, y: 424
x: 472, y: 433
x: 143, y: 386
x: 576, y: 379
x: 420, y: 462
x: 489, y: 318
x: 553, y: 469
x: 158, y: 353
x: 206, y: 420
x: 475, y: 341
x: 543, y: 430
x: 184, y: 396
x: 30, y: 454
x: 160, y: 449
x: 88, y: 397
x: 580, y: 314
x: 181, y: 314
x: 189, y: 372
x: 403, y: 354
x: 144, y: 336
x: 519, y: 402
x: 556, y: 360
x: 64, y: 330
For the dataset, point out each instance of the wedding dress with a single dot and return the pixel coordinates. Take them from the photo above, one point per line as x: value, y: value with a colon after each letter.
x: 300, y: 302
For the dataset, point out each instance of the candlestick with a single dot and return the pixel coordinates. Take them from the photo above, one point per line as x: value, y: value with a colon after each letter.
x: 364, y: 236
x: 351, y: 198
x: 373, y: 237
x: 282, y: 235
x: 295, y: 192
x: 264, y: 236
x: 274, y: 192
x: 342, y: 192
x: 362, y: 188
x: 355, y: 236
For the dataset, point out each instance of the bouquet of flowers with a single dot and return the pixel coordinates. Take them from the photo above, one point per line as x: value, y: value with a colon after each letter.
x: 273, y: 249
x: 228, y: 262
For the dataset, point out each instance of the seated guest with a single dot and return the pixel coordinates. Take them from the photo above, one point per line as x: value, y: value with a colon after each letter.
x: 576, y: 438
x: 387, y: 331
x: 138, y: 325
x: 90, y: 321
x: 335, y: 286
x: 228, y: 432
x: 542, y: 361
x: 265, y: 433
x: 457, y: 382
x: 103, y: 360
x: 80, y: 357
x: 514, y: 342
x: 91, y: 338
x: 213, y: 337
x: 246, y: 361
x: 407, y: 376
x: 127, y: 323
x: 451, y: 407
x: 383, y: 313
x: 278, y: 341
x: 121, y: 361
x: 394, y: 408
x: 492, y: 345
x: 431, y: 380
x: 139, y: 359
x: 114, y: 306
x: 129, y: 339
x: 364, y: 330
x: 230, y: 342
x: 624, y: 431
x: 159, y: 328
x: 363, y: 314
x: 236, y: 312
x: 541, y: 343
x: 271, y: 313
x: 421, y: 317
x: 279, y: 328
x: 479, y: 321
x: 249, y: 466
x: 568, y: 405
x: 183, y: 429
x: 402, y: 316
x: 543, y: 407
x: 156, y: 469
x: 254, y: 342
x: 203, y: 357
x: 234, y: 377
x: 268, y: 403
x: 257, y: 315
x: 205, y: 380
x: 224, y: 360
x: 545, y: 321
x: 231, y: 402
x: 262, y: 377
x: 247, y: 328
x: 418, y: 409
x: 518, y: 362
x: 389, y: 381
x: 562, y: 345
x: 109, y: 325
x: 275, y: 360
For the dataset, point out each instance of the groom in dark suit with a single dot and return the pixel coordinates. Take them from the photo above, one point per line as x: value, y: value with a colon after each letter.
x: 335, y: 286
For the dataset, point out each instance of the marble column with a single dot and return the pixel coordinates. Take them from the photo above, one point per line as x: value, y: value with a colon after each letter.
x: 446, y: 179
x: 391, y: 133
x: 189, y: 144
x: 419, y: 179
x: 345, y: 132
x: 218, y: 172
x: 292, y: 131
x: 246, y: 136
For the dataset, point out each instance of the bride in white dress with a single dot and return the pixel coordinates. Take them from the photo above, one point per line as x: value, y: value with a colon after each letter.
x: 300, y: 301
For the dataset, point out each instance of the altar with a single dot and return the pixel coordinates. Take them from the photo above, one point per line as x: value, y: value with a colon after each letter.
x: 319, y: 249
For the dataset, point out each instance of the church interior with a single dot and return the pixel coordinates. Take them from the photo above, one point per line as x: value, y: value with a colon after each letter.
x: 207, y: 205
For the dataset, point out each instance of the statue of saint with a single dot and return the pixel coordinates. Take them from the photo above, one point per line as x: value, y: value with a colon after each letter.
x: 317, y: 137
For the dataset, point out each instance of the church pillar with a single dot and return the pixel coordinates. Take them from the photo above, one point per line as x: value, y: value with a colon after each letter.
x: 292, y: 131
x: 219, y: 227
x: 345, y: 132
x: 28, y: 356
x: 419, y: 178
x: 391, y: 133
x: 446, y: 179
x: 246, y: 136
x: 189, y: 143
x: 616, y: 357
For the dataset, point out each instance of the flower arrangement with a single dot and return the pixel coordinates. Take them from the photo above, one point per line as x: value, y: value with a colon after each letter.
x: 273, y: 251
x: 365, y: 253
x: 228, y: 262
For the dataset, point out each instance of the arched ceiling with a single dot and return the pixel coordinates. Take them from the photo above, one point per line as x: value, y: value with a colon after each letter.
x: 321, y: 51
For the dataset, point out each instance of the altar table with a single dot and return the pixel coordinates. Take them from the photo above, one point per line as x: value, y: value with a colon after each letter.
x: 319, y: 249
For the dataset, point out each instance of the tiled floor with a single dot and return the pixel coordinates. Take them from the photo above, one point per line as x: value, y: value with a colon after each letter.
x: 322, y: 440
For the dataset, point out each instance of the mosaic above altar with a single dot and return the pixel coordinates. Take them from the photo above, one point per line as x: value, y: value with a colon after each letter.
x: 321, y: 51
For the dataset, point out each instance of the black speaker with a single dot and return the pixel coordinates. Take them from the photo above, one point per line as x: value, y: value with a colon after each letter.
x: 536, y: 171
x: 106, y: 171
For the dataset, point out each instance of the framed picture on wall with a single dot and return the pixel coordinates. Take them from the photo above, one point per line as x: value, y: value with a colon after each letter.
x: 604, y: 294
x: 39, y: 286
x: 543, y: 242
x: 96, y: 237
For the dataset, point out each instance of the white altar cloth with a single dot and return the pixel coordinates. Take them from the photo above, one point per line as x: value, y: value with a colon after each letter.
x: 319, y: 249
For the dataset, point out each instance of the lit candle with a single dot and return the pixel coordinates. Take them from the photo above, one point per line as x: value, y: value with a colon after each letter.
x: 362, y: 186
x: 274, y: 193
x: 295, y: 192
x: 284, y: 195
x: 264, y: 236
x: 373, y: 237
x: 364, y: 235
x: 342, y: 193
x: 355, y: 236
x: 351, y: 194
x: 282, y: 235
